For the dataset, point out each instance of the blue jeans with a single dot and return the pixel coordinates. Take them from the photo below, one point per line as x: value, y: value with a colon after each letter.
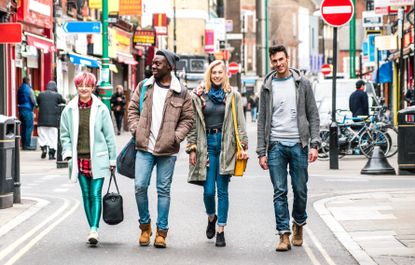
x: 253, y: 113
x: 213, y: 177
x: 144, y: 164
x: 296, y: 157
x: 26, y: 117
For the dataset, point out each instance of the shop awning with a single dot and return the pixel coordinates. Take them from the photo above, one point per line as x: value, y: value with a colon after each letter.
x: 39, y: 42
x: 84, y: 60
x: 126, y: 58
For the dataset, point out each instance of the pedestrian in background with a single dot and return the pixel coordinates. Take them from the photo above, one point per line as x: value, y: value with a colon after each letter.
x: 288, y: 135
x: 253, y: 103
x: 158, y: 127
x: 118, y: 106
x: 88, y: 143
x: 244, y: 102
x: 26, y: 101
x: 359, y: 101
x: 48, y: 122
x: 409, y: 97
x: 211, y: 145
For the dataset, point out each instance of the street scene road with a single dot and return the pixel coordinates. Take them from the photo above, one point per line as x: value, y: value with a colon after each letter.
x: 353, y: 219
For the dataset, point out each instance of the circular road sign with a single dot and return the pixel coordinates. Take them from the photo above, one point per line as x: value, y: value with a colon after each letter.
x: 326, y: 69
x: 233, y: 68
x: 337, y: 13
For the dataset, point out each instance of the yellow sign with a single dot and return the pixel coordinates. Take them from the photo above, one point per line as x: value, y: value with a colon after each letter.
x: 113, y: 5
x: 130, y: 7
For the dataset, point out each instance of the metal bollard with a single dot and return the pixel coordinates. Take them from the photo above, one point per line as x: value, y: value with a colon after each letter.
x: 16, y: 192
x: 59, y: 161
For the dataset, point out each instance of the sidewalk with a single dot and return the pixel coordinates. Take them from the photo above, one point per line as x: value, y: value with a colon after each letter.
x: 375, y: 227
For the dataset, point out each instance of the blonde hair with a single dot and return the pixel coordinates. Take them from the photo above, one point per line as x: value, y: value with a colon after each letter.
x: 208, y: 82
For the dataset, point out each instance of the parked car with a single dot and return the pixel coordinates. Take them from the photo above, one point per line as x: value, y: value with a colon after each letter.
x: 191, y: 69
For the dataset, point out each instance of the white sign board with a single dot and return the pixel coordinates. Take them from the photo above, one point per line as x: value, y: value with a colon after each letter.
x: 371, y: 19
x: 401, y: 2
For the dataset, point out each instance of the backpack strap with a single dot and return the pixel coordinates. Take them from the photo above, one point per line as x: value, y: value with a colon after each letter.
x: 143, y: 91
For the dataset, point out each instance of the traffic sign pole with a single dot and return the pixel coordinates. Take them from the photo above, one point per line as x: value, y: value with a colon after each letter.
x: 334, y: 144
x: 105, y: 91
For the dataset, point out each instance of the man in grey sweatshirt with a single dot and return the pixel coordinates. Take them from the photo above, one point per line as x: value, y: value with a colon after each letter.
x: 288, y: 134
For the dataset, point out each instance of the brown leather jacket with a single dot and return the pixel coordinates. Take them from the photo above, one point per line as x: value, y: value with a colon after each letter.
x: 177, y: 118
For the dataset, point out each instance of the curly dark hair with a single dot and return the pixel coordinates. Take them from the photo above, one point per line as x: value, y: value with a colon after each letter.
x: 279, y: 48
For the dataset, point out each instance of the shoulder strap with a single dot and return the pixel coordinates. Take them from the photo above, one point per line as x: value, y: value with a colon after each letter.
x: 235, y: 125
x: 142, y: 93
x: 115, y: 182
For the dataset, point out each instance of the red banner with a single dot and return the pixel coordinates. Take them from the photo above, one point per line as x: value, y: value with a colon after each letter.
x: 209, y: 40
x: 36, y: 12
x: 160, y: 23
x: 130, y: 7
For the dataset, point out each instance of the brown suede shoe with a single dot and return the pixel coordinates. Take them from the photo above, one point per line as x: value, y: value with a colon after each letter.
x: 297, y: 239
x: 145, y: 234
x: 160, y: 241
x: 284, y: 244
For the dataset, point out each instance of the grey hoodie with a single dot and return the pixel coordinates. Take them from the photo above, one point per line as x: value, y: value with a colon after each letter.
x: 308, y: 119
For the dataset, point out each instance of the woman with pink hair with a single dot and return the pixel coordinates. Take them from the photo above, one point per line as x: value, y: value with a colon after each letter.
x: 88, y: 144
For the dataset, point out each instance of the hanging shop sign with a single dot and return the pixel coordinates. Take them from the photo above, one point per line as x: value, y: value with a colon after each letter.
x: 160, y: 23
x: 36, y: 12
x: 123, y: 40
x: 130, y: 7
x: 144, y: 37
x: 371, y: 19
x: 113, y: 5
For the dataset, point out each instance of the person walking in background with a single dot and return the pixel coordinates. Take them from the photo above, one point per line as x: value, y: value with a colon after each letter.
x: 253, y: 103
x: 48, y: 122
x: 88, y: 143
x: 244, y: 102
x: 211, y: 145
x: 26, y: 101
x: 118, y: 106
x: 288, y: 135
x: 409, y: 97
x: 159, y: 125
x: 359, y: 101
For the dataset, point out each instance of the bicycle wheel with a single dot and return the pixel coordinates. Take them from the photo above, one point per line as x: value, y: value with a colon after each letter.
x: 324, y: 149
x: 392, y: 136
x: 369, y: 139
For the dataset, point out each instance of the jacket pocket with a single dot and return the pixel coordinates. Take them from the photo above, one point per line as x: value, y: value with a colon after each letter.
x: 103, y: 153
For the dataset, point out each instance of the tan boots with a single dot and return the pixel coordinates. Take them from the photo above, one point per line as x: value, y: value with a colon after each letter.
x: 145, y: 234
x: 284, y: 244
x: 160, y: 241
x: 297, y: 238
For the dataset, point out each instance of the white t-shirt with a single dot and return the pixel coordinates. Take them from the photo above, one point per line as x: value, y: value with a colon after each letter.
x: 159, y: 98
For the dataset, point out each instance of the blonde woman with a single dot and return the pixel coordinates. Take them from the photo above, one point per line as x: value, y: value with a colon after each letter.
x: 211, y: 145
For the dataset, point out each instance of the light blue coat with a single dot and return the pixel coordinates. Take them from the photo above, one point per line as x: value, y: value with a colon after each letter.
x: 102, y: 138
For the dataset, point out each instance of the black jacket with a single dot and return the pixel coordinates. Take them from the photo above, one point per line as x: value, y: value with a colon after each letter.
x: 359, y: 103
x: 48, y: 102
x: 118, y: 106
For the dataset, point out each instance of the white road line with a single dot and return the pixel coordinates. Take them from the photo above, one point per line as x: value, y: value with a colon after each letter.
x: 26, y: 248
x: 60, y: 190
x: 319, y: 247
x: 310, y: 254
x: 26, y: 236
x: 24, y: 215
x: 337, y: 10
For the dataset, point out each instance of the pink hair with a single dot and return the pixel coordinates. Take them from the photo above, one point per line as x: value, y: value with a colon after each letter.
x: 85, y: 79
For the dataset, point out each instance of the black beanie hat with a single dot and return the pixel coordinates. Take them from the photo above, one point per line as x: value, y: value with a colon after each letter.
x: 171, y: 57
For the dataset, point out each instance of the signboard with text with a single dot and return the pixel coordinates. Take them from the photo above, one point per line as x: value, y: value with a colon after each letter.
x: 145, y: 38
x: 160, y: 23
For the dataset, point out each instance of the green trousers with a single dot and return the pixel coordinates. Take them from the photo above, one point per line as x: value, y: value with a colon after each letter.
x: 91, y: 194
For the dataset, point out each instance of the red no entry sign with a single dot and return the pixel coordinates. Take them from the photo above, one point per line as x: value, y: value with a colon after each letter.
x: 336, y: 13
x: 326, y: 69
x: 233, y: 68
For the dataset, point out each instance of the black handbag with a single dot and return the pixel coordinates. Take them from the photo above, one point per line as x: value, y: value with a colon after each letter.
x: 126, y: 160
x: 112, y: 211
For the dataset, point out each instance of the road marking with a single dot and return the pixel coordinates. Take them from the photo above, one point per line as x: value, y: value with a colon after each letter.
x: 26, y: 248
x: 26, y: 236
x: 319, y: 247
x: 346, y: 180
x: 310, y: 254
x: 24, y: 215
x: 60, y: 190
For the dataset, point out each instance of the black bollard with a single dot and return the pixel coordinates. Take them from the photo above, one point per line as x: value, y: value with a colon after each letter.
x: 60, y: 163
x: 16, y: 192
x: 334, y: 146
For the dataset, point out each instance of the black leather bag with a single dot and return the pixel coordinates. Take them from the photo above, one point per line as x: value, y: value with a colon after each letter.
x: 112, y: 211
x: 126, y: 160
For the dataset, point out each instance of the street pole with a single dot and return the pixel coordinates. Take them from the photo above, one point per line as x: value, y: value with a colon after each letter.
x: 266, y: 37
x: 352, y: 48
x: 105, y: 90
x: 401, y: 39
x: 334, y: 145
x: 174, y: 27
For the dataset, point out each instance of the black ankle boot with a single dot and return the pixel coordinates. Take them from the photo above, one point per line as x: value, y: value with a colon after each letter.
x: 44, y: 151
x: 52, y: 154
x: 210, y: 230
x: 220, y: 239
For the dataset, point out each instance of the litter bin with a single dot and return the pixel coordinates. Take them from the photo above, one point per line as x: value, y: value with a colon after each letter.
x: 7, y: 153
x: 406, y: 141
